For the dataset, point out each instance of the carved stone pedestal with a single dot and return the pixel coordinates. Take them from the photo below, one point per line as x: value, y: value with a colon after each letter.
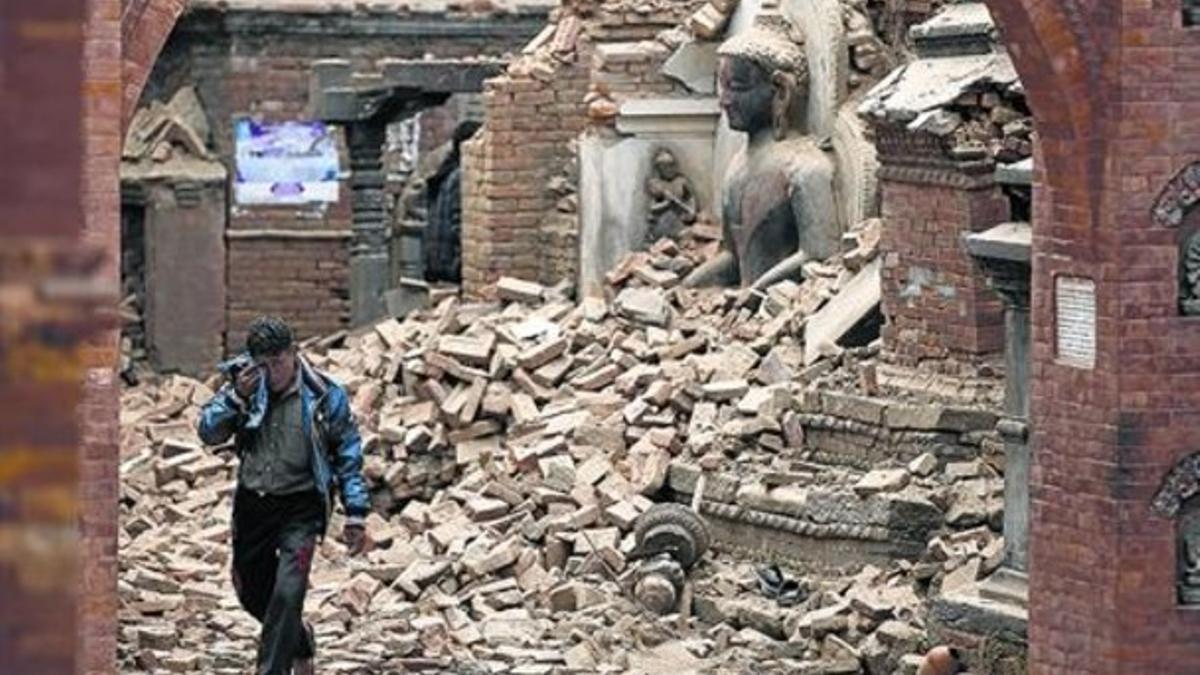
x: 1006, y: 585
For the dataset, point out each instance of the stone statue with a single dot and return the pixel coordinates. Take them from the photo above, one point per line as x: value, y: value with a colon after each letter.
x: 777, y: 199
x: 1189, y: 572
x: 1190, y: 282
x: 672, y: 199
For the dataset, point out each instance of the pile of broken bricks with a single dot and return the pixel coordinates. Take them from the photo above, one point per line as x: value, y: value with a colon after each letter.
x: 510, y: 447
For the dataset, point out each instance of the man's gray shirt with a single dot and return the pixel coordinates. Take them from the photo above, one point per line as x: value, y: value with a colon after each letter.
x: 279, y: 463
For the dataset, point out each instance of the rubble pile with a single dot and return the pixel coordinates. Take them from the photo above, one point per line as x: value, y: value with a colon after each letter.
x: 488, y: 571
x: 994, y: 122
x: 510, y: 448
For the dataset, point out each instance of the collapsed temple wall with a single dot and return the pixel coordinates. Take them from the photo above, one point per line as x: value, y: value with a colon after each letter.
x: 522, y: 213
x: 520, y: 217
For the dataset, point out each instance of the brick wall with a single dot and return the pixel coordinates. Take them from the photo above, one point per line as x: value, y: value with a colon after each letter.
x: 632, y: 70
x: 935, y: 297
x: 304, y: 280
x: 532, y: 115
x: 98, y: 410
x: 636, y: 20
x: 60, y: 72
x: 256, y: 64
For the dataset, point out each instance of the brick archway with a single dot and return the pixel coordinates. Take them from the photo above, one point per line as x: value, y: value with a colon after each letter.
x: 121, y: 41
x: 1108, y: 85
x: 145, y: 27
x: 1101, y: 597
x: 1054, y: 50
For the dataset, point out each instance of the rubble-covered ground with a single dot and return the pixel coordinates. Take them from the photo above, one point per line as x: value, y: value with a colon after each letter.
x: 510, y: 447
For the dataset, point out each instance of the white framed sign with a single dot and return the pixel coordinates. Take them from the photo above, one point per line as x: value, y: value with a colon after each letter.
x: 1075, y: 321
x: 285, y: 163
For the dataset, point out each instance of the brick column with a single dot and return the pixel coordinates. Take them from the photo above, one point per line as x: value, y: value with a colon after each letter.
x: 55, y: 214
x: 936, y: 299
x: 507, y: 206
x: 99, y: 409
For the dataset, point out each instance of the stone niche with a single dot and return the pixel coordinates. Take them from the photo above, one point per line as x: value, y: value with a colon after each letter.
x: 171, y: 176
x: 1187, y: 546
x: 614, y: 171
x: 1179, y: 498
x: 1175, y: 208
x: 1191, y: 12
x: 1189, y: 269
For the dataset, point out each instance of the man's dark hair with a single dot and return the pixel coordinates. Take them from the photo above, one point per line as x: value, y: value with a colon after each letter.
x: 464, y: 131
x: 267, y: 336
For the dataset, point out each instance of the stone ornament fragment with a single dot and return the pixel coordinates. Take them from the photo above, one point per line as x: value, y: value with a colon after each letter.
x: 709, y: 22
x: 1178, y: 197
x: 1189, y: 292
x: 1180, y: 485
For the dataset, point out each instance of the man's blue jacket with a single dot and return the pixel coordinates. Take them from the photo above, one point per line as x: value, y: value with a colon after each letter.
x: 333, y: 437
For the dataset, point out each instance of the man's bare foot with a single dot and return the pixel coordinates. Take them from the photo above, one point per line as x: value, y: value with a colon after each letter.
x: 303, y: 667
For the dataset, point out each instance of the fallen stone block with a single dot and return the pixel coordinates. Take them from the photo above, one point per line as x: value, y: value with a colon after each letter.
x: 476, y: 351
x: 726, y: 390
x: 923, y: 466
x: 517, y: 290
x: 539, y: 355
x: 644, y: 305
x: 881, y: 480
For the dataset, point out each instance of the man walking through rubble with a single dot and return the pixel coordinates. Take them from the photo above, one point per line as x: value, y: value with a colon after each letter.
x: 296, y: 438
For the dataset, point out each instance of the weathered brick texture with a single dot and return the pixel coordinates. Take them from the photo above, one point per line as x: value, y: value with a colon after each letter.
x: 526, y: 141
x: 304, y: 280
x: 145, y: 26
x: 630, y: 70
x: 61, y: 65
x: 936, y: 299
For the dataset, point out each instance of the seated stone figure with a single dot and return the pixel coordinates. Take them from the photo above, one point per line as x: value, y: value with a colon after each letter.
x: 777, y: 199
x: 672, y: 199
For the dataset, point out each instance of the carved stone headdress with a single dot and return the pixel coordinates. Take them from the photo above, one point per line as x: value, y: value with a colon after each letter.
x: 769, y: 47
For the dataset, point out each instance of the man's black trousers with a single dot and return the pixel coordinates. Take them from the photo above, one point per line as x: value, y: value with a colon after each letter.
x: 273, y: 542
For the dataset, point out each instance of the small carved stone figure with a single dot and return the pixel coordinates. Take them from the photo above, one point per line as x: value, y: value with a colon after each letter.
x: 778, y: 203
x: 1190, y: 292
x: 1189, y: 587
x: 1189, y: 561
x: 411, y: 204
x: 672, y: 199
